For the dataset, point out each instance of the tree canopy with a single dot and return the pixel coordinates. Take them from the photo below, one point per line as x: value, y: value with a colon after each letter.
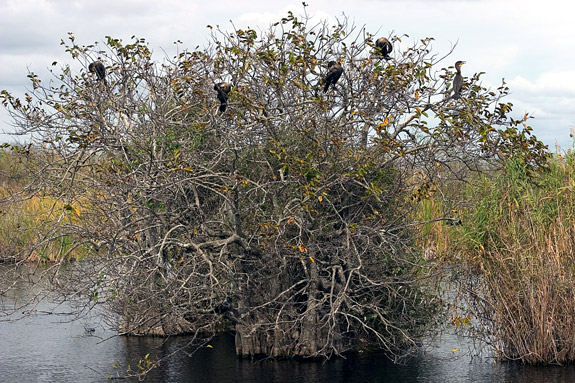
x: 284, y: 216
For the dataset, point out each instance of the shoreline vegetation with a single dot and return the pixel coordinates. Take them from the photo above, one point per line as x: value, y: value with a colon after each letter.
x: 25, y: 219
x: 221, y: 189
x: 508, y: 242
x: 511, y: 258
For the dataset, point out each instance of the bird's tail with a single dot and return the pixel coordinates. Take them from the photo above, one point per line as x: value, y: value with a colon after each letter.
x: 223, y: 107
x: 326, y: 87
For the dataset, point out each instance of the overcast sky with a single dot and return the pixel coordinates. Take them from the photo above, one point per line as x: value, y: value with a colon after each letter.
x: 529, y: 43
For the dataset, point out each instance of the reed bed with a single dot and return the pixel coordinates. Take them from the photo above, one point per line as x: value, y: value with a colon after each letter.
x: 513, y: 260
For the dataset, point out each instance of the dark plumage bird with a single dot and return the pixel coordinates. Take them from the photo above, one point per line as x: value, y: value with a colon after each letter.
x: 333, y: 74
x: 458, y: 80
x: 100, y: 70
x: 224, y: 307
x: 453, y: 222
x: 384, y: 47
x: 223, y: 89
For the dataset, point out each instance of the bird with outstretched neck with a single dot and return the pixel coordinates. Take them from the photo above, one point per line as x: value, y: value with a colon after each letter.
x: 333, y: 74
x: 458, y: 80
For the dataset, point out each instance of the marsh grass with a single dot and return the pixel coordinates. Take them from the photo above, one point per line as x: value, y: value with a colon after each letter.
x: 25, y: 224
x: 439, y: 217
x: 513, y: 260
x: 27, y: 220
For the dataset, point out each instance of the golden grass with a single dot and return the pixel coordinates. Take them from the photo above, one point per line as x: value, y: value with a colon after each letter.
x: 27, y: 222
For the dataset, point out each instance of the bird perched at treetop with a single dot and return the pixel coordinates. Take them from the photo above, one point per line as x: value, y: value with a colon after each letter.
x: 223, y: 89
x: 98, y: 68
x: 333, y: 74
x: 384, y: 47
x: 458, y: 80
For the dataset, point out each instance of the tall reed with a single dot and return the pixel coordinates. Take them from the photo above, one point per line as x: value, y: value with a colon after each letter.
x: 515, y: 262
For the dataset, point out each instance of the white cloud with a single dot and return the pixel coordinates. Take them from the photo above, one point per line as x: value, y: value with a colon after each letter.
x: 550, y: 84
x: 550, y: 98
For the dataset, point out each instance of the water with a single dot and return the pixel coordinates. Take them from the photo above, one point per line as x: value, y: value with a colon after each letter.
x: 48, y: 345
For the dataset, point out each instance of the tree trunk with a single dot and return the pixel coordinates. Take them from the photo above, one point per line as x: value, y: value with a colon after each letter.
x: 285, y: 332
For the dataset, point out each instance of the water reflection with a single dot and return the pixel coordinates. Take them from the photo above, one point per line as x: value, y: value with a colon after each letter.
x: 50, y: 346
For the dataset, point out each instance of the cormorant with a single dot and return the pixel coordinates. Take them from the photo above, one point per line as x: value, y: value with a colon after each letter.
x: 333, y: 74
x: 98, y: 68
x: 458, y: 80
x: 224, y: 307
x: 223, y: 88
x: 384, y: 47
x: 453, y: 221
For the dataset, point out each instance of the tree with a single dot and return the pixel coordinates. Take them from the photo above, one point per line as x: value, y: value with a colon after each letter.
x: 285, y: 216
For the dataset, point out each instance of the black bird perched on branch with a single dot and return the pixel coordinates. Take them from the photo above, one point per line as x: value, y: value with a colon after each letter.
x: 333, y: 74
x: 384, y: 47
x: 453, y: 221
x: 98, y: 68
x: 223, y: 89
x: 458, y: 80
x: 224, y: 307
x: 227, y: 310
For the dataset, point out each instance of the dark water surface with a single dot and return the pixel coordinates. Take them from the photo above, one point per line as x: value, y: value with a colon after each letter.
x: 50, y: 346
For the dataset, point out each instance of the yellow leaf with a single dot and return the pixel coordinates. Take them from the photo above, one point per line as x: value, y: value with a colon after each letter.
x: 77, y: 212
x: 453, y: 350
x: 384, y: 123
x: 311, y: 259
x: 320, y: 198
x: 209, y: 346
x: 302, y: 248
